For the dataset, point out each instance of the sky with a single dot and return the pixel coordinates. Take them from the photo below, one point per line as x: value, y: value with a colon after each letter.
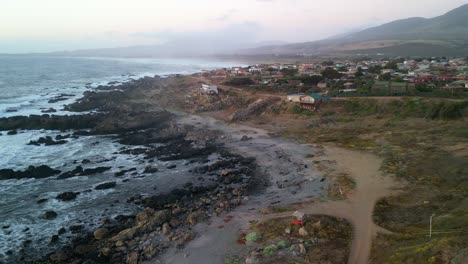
x: 55, y: 25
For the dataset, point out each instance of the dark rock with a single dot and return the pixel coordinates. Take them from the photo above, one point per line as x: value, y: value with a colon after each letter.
x: 49, y: 215
x: 40, y: 201
x: 76, y: 229
x: 150, y: 169
x: 107, y: 185
x: 48, y: 141
x: 85, y: 161
x: 67, y: 196
x: 54, y: 239
x: 61, y: 231
x: 77, y: 171
x: 50, y: 110
x: 32, y: 172
x: 172, y: 167
x: 60, y: 137
x: 87, y: 172
x: 123, y: 172
x: 12, y: 132
x: 245, y: 138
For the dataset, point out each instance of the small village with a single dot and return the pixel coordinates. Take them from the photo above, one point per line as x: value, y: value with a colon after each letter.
x: 310, y: 84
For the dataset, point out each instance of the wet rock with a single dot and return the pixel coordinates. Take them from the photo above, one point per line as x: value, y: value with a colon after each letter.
x: 76, y: 229
x: 100, y: 233
x: 41, y: 201
x: 32, y: 172
x: 107, y: 185
x: 12, y: 132
x: 60, y: 137
x: 123, y: 172
x: 47, y: 141
x: 79, y: 171
x: 149, y: 170
x: 97, y: 170
x: 61, y: 97
x: 54, y: 239
x: 67, y: 196
x: 50, y: 110
x: 49, y: 215
x: 62, y: 231
x: 71, y: 174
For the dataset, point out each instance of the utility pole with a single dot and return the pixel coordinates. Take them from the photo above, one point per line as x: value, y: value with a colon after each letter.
x: 430, y: 225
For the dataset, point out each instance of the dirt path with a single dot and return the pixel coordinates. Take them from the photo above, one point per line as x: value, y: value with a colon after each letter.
x: 294, y: 179
x: 371, y: 185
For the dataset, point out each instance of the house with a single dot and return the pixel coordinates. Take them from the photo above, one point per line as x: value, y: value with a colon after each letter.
x: 463, y: 83
x: 348, y: 90
x: 296, y: 98
x: 348, y: 85
x: 209, y: 89
x: 301, y: 98
x: 322, y: 85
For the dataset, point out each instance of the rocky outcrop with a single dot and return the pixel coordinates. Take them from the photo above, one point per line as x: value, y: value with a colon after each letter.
x: 79, y: 171
x: 48, y: 141
x: 67, y: 196
x: 105, y: 186
x: 32, y: 172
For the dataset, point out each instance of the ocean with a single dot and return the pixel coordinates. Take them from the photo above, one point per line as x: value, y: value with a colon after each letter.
x: 30, y: 85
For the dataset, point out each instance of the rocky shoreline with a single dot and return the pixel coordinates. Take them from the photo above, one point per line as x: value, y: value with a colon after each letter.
x: 223, y: 179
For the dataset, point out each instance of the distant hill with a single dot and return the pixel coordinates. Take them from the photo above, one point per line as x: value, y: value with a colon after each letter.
x: 438, y: 36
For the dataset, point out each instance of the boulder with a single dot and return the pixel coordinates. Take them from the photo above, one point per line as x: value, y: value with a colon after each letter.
x: 105, y: 186
x: 49, y: 215
x: 132, y: 258
x: 67, y: 196
x: 12, y: 132
x: 166, y: 229
x: 100, y: 233
x: 32, y: 172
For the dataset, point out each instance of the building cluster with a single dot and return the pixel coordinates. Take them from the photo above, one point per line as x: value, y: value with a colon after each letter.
x: 391, y: 75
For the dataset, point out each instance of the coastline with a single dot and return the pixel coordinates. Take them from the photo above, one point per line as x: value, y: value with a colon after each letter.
x: 284, y: 176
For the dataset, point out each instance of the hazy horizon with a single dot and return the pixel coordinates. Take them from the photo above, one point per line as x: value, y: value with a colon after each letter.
x: 28, y: 26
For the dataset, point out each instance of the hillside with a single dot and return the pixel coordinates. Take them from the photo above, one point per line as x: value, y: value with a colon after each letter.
x: 442, y: 35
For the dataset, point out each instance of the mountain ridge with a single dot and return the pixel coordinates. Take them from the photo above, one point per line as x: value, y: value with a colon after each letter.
x: 442, y: 35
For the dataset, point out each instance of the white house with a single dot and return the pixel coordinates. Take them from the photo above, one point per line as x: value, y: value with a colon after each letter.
x: 209, y: 89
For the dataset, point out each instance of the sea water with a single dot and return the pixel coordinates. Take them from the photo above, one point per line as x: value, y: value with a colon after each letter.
x: 27, y: 83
